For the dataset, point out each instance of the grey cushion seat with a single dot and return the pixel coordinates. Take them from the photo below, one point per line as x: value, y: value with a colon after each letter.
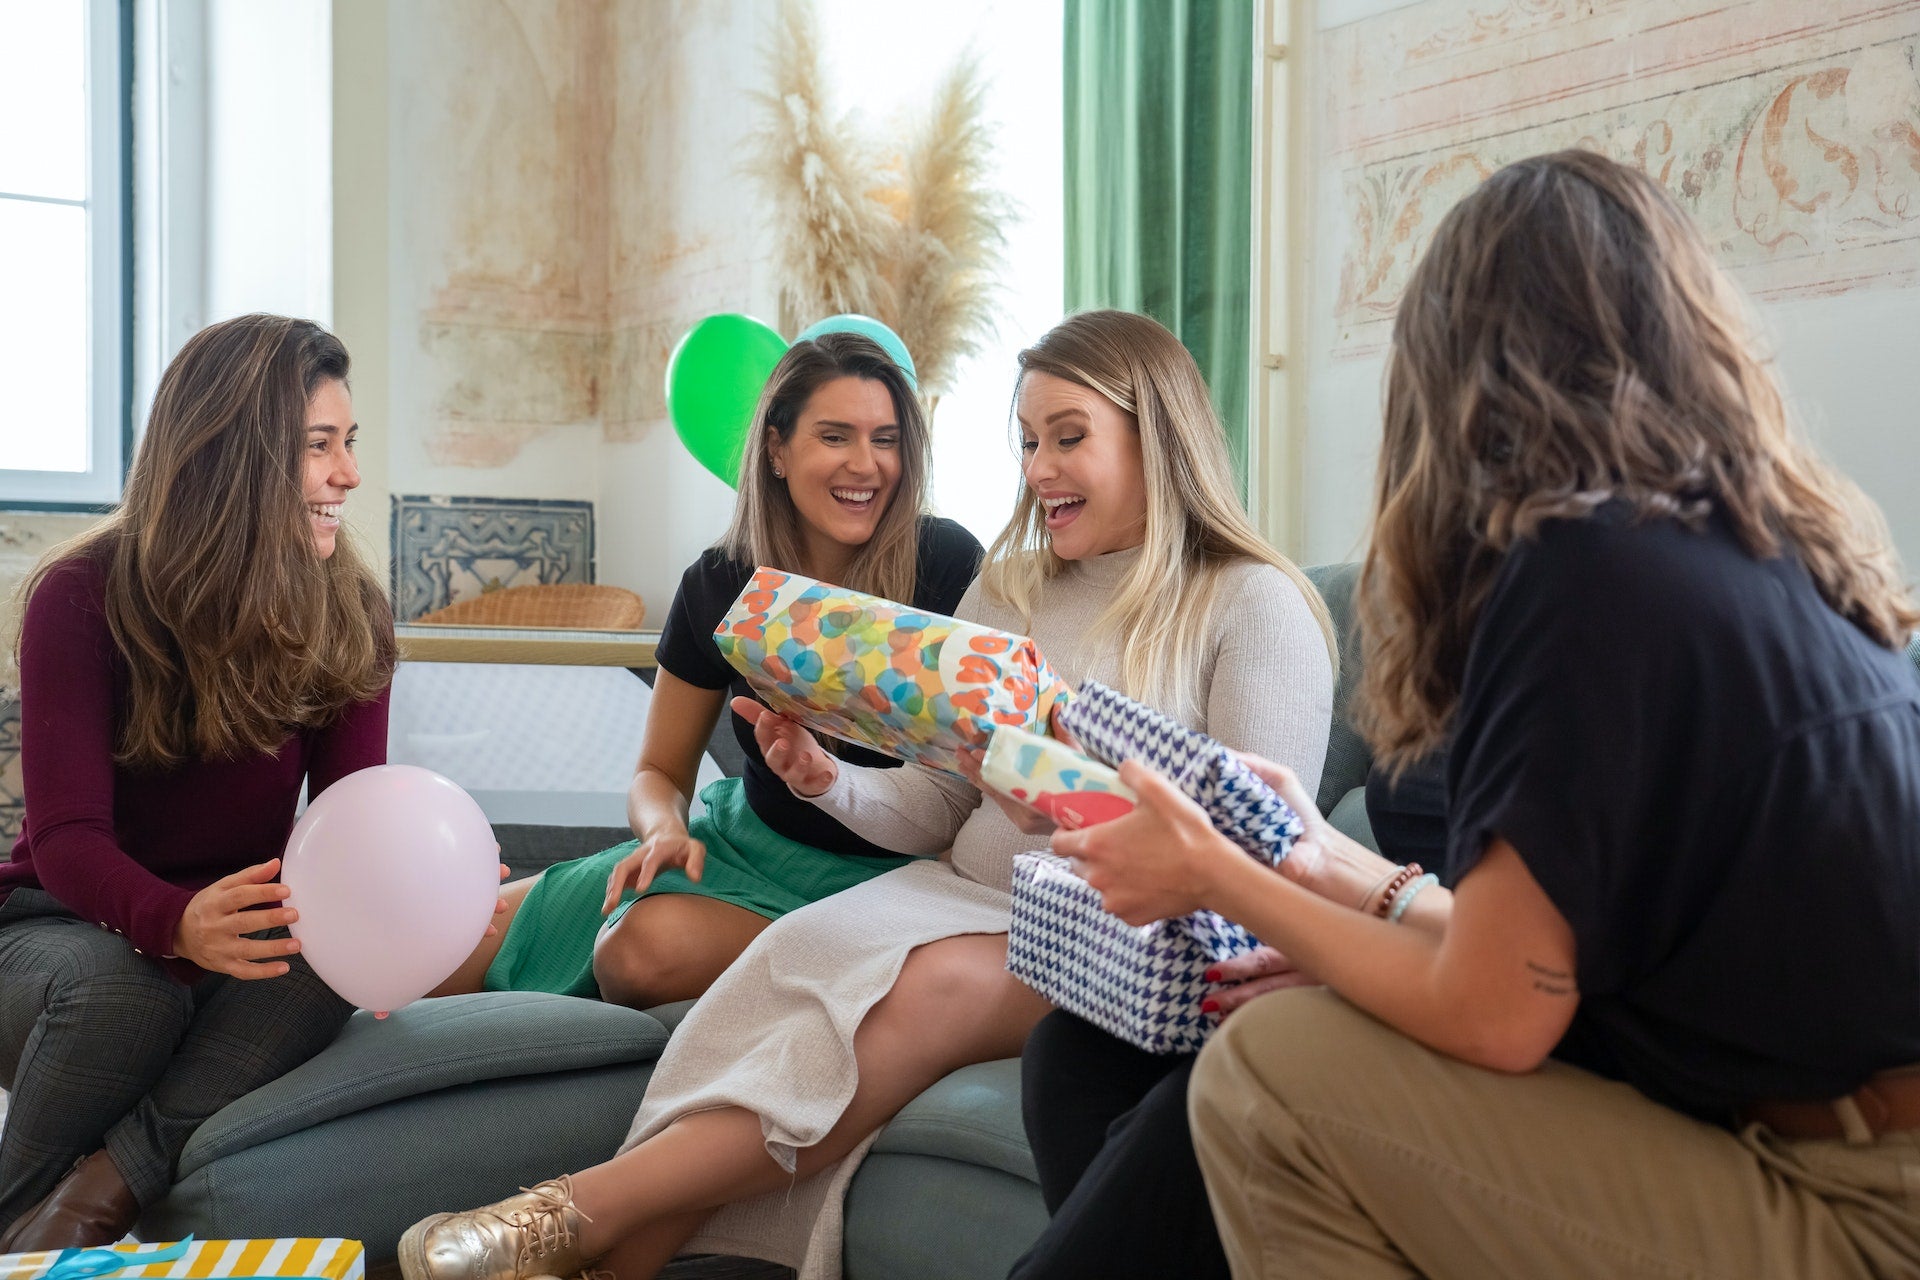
x: 447, y: 1104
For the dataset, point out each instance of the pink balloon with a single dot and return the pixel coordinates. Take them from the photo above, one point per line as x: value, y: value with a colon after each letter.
x: 395, y: 873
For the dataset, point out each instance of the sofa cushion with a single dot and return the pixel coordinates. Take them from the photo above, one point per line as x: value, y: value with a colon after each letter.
x: 972, y: 1116
x: 1347, y: 756
x: 370, y: 1175
x: 429, y: 1046
x: 929, y: 1219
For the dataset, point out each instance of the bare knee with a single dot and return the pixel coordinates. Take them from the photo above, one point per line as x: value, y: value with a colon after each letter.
x: 669, y: 948
x: 960, y: 984
x: 633, y: 967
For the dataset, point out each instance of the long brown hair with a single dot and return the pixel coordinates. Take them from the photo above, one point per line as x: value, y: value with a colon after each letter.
x: 235, y: 633
x: 1195, y: 525
x: 766, y: 525
x: 1567, y: 340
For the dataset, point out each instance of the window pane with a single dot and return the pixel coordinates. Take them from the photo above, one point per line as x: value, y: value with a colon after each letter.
x: 43, y: 98
x: 43, y: 337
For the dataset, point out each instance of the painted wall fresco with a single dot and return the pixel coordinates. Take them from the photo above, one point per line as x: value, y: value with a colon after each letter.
x: 500, y: 124
x: 1790, y: 132
x: 555, y: 235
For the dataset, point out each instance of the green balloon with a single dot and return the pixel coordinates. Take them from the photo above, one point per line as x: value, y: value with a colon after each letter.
x: 714, y: 380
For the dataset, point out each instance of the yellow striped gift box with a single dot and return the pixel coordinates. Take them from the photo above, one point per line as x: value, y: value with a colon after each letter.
x: 311, y: 1258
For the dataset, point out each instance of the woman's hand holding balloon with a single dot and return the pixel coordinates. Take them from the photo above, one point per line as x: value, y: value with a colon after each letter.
x: 212, y: 930
x: 790, y: 751
x: 499, y: 904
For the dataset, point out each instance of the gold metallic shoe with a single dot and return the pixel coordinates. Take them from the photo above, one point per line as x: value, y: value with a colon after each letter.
x: 536, y: 1233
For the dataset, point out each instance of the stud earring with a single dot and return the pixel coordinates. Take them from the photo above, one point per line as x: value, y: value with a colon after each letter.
x: 778, y: 474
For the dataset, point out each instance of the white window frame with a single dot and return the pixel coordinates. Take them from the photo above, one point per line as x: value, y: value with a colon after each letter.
x: 107, y: 284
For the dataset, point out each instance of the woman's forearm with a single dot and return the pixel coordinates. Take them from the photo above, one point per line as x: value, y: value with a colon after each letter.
x: 655, y: 805
x: 1347, y: 873
x: 1398, y: 974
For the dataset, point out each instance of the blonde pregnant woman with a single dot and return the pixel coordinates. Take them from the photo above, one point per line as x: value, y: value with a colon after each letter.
x: 1129, y: 560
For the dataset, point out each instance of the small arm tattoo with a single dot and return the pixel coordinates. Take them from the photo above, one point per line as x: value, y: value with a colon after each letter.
x: 1553, y: 982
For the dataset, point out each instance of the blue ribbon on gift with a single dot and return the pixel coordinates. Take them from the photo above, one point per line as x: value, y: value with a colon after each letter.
x: 79, y: 1264
x: 84, y: 1264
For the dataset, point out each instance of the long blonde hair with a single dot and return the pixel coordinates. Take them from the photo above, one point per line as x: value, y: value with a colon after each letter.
x: 766, y: 524
x: 1196, y: 528
x: 234, y: 632
x: 1567, y: 340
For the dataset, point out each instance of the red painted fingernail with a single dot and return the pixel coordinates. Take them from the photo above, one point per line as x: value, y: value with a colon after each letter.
x: 1209, y: 1005
x: 1213, y: 974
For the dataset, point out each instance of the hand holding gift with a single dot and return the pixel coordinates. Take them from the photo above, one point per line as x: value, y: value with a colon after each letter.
x: 1154, y: 862
x: 789, y: 750
x: 1119, y: 935
x: 1050, y: 779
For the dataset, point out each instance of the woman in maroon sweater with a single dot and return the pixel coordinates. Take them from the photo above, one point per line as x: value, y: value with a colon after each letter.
x: 184, y: 668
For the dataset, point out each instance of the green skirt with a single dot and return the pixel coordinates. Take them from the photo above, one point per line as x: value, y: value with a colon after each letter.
x: 549, y: 946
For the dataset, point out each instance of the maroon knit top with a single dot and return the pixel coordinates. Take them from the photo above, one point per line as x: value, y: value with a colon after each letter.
x: 127, y: 849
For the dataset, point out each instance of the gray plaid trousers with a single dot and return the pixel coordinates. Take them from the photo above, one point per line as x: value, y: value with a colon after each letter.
x: 100, y: 1048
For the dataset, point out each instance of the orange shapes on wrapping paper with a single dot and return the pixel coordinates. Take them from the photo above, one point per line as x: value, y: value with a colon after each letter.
x: 757, y: 601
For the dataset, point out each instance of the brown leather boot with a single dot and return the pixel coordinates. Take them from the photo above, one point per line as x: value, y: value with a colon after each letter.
x: 90, y: 1207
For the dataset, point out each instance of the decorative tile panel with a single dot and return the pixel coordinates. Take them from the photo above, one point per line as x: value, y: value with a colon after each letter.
x: 451, y: 549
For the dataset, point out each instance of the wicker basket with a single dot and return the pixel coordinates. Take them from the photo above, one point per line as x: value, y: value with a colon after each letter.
x: 578, y: 605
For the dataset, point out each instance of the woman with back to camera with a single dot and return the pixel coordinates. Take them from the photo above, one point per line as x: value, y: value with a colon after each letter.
x: 834, y: 486
x: 1666, y: 1019
x: 185, y: 667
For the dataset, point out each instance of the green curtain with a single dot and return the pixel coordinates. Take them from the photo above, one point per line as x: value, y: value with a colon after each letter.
x: 1159, y: 177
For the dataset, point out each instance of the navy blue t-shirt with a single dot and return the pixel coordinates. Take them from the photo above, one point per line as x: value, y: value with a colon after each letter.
x: 949, y: 557
x: 1716, y: 779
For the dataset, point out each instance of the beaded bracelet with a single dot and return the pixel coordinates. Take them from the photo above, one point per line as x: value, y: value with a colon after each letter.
x: 1395, y: 885
x: 1407, y: 895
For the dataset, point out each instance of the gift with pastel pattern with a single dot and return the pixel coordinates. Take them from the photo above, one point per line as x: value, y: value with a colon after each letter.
x: 913, y: 684
x: 1052, y: 778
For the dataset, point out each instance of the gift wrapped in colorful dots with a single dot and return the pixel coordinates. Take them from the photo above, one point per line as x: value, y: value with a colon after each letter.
x: 913, y: 684
x: 1049, y: 776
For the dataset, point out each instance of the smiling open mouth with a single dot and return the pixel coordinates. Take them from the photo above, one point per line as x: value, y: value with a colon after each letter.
x: 325, y: 514
x: 855, y: 499
x: 1062, y: 511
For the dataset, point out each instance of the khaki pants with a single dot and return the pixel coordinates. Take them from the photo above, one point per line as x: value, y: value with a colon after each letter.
x: 1335, y: 1147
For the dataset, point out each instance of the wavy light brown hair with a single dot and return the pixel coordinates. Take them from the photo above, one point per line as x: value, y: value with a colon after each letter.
x: 1196, y: 527
x: 766, y: 525
x: 234, y: 631
x: 1565, y: 341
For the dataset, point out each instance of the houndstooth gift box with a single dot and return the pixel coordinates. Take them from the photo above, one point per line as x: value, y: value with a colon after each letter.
x: 1112, y: 727
x: 1142, y: 983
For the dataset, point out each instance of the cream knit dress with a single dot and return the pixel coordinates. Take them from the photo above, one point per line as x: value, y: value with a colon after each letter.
x: 775, y: 1034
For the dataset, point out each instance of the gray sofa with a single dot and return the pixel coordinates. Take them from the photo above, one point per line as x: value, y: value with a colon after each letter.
x: 456, y: 1102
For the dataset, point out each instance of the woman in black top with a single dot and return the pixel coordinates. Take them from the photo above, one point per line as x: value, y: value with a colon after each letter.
x: 834, y: 485
x: 1662, y: 1023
